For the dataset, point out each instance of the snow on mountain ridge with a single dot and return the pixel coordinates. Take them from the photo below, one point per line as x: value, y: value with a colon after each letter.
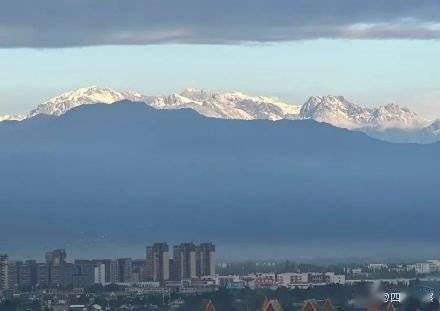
x: 236, y: 105
x: 335, y: 110
x: 338, y: 111
x: 62, y: 103
x: 434, y: 127
x: 9, y: 117
x: 233, y: 105
x: 207, y: 104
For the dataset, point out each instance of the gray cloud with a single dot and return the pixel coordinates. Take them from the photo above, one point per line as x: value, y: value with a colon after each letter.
x: 60, y: 23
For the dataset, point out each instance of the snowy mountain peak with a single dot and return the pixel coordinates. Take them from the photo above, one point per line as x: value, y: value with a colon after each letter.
x: 392, y: 115
x: 335, y: 110
x: 66, y: 101
x: 319, y: 104
x: 338, y: 111
x: 62, y: 103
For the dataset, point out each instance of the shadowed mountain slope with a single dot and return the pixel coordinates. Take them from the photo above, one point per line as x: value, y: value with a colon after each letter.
x: 127, y: 173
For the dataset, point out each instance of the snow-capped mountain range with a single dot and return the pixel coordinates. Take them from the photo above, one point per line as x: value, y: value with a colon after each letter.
x: 338, y: 111
x: 335, y: 110
x: 219, y: 105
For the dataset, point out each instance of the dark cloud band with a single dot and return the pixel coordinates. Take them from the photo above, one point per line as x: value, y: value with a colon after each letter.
x: 60, y: 23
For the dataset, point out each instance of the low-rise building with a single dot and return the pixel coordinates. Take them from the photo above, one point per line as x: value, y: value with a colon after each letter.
x: 429, y: 266
x: 335, y: 278
x: 304, y: 280
x: 292, y: 279
x: 265, y: 280
x: 377, y: 266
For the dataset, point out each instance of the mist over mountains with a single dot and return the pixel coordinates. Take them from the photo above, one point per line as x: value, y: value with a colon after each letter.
x: 126, y: 174
x: 390, y: 122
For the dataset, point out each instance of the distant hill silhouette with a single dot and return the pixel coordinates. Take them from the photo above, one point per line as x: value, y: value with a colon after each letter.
x: 133, y: 174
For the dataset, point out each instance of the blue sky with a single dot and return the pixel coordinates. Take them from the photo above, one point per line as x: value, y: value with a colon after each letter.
x: 373, y: 52
x: 371, y: 72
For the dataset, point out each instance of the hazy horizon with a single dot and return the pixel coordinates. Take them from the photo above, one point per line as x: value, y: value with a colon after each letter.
x: 308, y: 252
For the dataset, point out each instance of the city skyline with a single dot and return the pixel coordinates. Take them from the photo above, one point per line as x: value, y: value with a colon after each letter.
x: 81, y: 284
x: 188, y: 261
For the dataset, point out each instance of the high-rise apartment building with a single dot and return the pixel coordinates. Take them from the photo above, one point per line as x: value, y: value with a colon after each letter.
x: 124, y: 270
x: 28, y: 273
x: 205, y: 259
x: 4, y: 271
x: 139, y: 270
x: 56, y: 273
x: 114, y: 271
x: 13, y: 274
x: 185, y: 261
x: 191, y: 261
x: 43, y: 274
x: 111, y: 269
x: 84, y: 273
x: 158, y: 262
x: 173, y: 270
x: 59, y: 272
